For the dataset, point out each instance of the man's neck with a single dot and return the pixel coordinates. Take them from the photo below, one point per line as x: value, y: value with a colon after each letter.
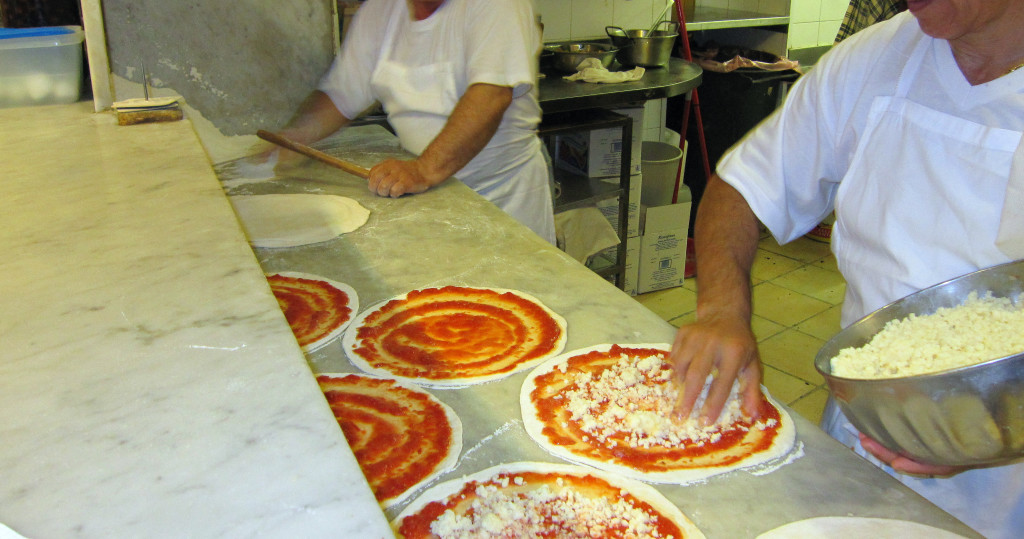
x: 989, y: 54
x: 421, y: 9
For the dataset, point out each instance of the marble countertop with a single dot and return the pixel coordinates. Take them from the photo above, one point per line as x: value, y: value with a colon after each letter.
x: 149, y: 384
x: 449, y: 235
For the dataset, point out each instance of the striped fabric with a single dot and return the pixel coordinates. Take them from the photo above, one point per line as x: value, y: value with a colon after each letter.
x: 863, y: 13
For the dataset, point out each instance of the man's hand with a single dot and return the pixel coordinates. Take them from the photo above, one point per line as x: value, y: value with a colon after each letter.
x: 904, y: 465
x: 394, y: 178
x: 725, y: 348
x: 721, y: 341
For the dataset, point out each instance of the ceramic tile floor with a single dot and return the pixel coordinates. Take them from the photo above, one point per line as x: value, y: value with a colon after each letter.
x: 797, y: 293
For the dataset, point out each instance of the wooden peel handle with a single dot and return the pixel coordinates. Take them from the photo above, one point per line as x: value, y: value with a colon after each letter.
x: 284, y: 142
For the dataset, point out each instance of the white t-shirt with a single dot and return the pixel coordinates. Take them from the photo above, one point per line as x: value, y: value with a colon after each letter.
x: 795, y: 169
x: 464, y: 42
x: 418, y: 70
x: 790, y: 170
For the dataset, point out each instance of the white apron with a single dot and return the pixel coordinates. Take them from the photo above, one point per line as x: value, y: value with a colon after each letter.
x: 922, y: 203
x: 420, y: 98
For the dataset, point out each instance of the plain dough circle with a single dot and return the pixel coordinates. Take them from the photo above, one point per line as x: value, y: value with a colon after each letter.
x: 855, y: 528
x: 289, y: 220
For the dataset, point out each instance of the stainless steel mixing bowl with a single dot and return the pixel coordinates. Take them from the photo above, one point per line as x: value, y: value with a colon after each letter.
x: 567, y: 57
x: 645, y: 48
x: 965, y: 416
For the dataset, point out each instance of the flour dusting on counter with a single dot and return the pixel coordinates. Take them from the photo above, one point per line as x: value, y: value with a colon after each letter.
x: 767, y: 468
x: 501, y: 430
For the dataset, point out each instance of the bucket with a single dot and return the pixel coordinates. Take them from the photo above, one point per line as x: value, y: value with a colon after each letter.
x: 644, y: 48
x: 659, y: 165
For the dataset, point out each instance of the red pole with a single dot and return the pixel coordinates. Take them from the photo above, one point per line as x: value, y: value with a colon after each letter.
x: 692, y: 102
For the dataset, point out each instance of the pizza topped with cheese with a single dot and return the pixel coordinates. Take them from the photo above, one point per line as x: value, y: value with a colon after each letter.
x: 317, y: 309
x: 454, y: 336
x: 612, y: 407
x: 537, y: 499
x: 402, y: 436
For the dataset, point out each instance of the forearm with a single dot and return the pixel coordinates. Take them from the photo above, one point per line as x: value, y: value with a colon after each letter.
x: 726, y: 233
x: 473, y: 122
x: 316, y: 118
x: 720, y: 341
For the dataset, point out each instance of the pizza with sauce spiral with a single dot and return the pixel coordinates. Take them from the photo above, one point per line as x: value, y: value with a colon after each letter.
x: 612, y: 407
x: 317, y: 309
x: 539, y: 499
x: 402, y: 436
x: 454, y: 336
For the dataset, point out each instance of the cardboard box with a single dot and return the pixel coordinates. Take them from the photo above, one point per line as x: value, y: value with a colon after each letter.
x: 656, y: 259
x: 598, y: 153
x: 610, y: 207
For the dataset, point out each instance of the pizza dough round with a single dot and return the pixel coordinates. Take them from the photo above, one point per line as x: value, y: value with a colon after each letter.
x: 856, y: 528
x: 454, y: 336
x: 402, y: 436
x: 570, y: 500
x: 317, y: 309
x: 289, y: 220
x: 611, y: 407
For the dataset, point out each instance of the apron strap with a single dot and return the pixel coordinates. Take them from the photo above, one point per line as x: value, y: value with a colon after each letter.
x: 911, y: 68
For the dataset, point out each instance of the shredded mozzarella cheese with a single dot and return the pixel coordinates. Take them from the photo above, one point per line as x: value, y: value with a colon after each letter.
x: 545, y: 512
x: 637, y: 397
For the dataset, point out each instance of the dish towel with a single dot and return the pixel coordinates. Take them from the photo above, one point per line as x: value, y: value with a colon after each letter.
x: 584, y: 232
x: 591, y: 70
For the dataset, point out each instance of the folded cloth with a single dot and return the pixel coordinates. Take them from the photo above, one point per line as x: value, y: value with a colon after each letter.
x: 584, y: 232
x: 591, y: 70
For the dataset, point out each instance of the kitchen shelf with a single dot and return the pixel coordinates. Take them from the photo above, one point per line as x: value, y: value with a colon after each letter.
x: 577, y: 191
x: 714, y: 18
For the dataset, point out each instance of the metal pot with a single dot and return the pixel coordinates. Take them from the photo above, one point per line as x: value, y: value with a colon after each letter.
x: 567, y: 57
x: 644, y: 47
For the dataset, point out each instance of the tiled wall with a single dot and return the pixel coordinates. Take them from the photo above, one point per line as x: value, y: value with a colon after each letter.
x: 812, y: 22
x: 566, y: 20
x: 815, y: 22
x: 586, y: 19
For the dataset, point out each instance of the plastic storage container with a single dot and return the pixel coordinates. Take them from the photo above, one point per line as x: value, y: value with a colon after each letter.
x: 40, y: 66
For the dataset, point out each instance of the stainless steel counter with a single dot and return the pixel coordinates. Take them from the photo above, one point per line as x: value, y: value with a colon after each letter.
x: 450, y: 235
x: 560, y: 95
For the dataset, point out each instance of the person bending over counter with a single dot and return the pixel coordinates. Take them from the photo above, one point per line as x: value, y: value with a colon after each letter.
x: 457, y: 79
x: 911, y: 131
